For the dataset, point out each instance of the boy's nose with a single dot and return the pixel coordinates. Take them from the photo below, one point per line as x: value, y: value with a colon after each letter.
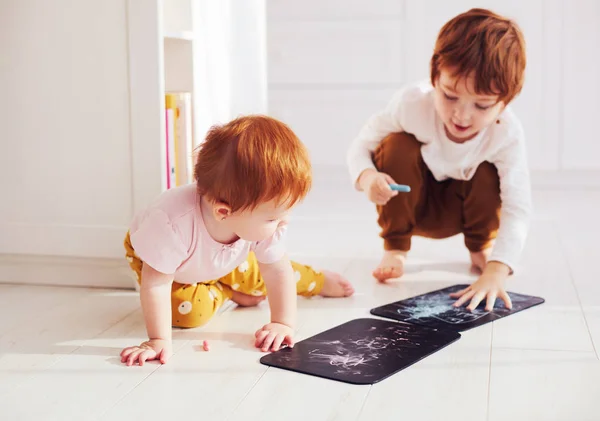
x: 461, y: 115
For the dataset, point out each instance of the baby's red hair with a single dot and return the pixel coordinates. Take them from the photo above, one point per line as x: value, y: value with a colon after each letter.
x: 252, y: 160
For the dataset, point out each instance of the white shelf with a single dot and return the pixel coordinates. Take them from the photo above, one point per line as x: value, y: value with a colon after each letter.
x: 179, y: 35
x: 163, y: 55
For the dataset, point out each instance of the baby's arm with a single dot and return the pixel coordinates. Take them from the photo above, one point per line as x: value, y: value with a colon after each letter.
x: 281, y: 289
x: 155, y: 296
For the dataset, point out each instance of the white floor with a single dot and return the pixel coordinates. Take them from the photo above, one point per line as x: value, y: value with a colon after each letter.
x: 59, y: 346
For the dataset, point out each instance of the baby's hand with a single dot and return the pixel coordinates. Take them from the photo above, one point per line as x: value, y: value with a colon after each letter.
x: 376, y: 185
x: 153, y: 349
x: 270, y: 337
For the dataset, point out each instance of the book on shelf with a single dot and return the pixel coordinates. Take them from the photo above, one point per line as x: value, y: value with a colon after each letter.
x: 179, y: 166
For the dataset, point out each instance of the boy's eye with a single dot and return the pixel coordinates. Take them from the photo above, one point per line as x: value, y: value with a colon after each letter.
x: 451, y: 98
x: 482, y: 107
x: 272, y: 220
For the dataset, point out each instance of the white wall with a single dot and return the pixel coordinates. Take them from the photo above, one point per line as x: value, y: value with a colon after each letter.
x: 580, y: 147
x: 65, y: 164
x: 334, y: 62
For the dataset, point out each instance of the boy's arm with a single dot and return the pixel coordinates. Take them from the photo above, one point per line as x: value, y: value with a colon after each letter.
x: 279, y: 280
x: 517, y: 207
x: 515, y: 214
x: 379, y: 125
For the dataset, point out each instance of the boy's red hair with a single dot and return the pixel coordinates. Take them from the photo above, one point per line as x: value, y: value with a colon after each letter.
x: 251, y: 160
x: 484, y: 45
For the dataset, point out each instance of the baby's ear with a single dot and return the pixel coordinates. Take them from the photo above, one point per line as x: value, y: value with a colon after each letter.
x: 221, y: 210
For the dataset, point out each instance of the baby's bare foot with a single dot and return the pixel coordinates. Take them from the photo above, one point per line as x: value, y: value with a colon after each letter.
x: 245, y: 300
x: 391, y: 265
x: 336, y: 285
x: 479, y: 260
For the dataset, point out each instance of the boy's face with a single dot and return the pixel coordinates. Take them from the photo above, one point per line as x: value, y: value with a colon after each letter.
x: 463, y: 112
x: 259, y: 223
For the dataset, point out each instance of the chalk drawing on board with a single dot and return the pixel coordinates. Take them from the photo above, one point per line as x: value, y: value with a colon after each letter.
x: 435, y: 309
x: 361, y: 351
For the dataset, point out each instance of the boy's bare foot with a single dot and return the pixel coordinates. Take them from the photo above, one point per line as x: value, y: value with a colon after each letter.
x: 391, y: 265
x: 245, y: 300
x: 479, y: 259
x: 336, y: 285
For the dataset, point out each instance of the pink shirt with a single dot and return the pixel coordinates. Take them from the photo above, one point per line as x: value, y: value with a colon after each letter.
x: 171, y: 237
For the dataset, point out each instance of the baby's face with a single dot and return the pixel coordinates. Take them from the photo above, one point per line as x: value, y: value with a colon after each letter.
x: 261, y: 222
x: 463, y: 112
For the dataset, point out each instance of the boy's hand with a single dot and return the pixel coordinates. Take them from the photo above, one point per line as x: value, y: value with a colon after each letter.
x: 153, y: 349
x: 270, y: 337
x: 376, y: 185
x: 490, y: 284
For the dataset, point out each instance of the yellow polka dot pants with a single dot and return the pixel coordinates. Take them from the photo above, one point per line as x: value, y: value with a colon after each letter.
x: 194, y: 305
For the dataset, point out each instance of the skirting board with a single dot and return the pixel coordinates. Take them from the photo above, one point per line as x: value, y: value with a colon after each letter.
x: 66, y: 271
x: 96, y: 241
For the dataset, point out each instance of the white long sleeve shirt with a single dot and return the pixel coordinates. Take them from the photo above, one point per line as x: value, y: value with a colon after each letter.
x: 412, y: 110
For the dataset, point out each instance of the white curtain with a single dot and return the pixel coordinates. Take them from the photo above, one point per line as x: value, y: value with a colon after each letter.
x: 231, y: 54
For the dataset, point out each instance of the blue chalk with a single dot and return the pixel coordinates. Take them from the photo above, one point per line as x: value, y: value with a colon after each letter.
x: 400, y: 187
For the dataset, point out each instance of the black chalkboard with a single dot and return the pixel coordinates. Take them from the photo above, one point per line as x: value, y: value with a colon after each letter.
x: 435, y: 310
x: 361, y: 351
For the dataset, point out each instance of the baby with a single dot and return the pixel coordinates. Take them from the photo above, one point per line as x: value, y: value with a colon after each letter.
x: 455, y: 141
x: 222, y: 238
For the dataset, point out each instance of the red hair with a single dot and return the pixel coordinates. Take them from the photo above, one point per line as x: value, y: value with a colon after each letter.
x: 251, y: 160
x: 484, y: 45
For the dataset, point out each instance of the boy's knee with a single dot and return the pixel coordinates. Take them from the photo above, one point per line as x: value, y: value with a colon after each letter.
x: 486, y: 180
x: 397, y: 148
